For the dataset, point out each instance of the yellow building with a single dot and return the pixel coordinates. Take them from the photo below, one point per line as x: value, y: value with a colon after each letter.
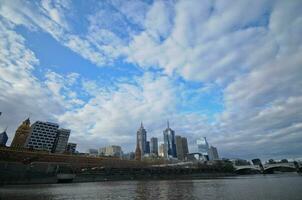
x: 21, y: 134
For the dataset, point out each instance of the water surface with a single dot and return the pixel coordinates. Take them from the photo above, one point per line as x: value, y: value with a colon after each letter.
x: 259, y: 187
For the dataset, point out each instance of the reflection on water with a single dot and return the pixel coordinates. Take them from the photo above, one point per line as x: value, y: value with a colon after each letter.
x: 244, y: 187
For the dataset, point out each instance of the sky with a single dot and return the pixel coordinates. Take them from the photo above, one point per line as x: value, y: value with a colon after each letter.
x: 227, y: 70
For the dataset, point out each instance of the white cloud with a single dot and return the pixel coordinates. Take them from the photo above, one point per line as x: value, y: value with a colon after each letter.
x: 250, y: 49
x: 22, y: 93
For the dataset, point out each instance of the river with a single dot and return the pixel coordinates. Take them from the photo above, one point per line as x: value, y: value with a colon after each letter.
x: 255, y: 187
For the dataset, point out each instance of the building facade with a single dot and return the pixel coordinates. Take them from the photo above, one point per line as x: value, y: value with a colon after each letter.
x: 147, y: 147
x: 114, y: 150
x: 185, y: 146
x: 42, y: 136
x: 154, y: 146
x: 138, y: 153
x: 21, y: 135
x: 92, y: 152
x: 61, y: 140
x: 181, y: 147
x: 169, y: 141
x: 102, y: 151
x: 71, y: 148
x: 213, y: 153
x: 142, y: 139
x: 3, y: 138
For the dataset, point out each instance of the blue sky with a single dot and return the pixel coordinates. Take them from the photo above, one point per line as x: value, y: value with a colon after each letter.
x: 230, y: 71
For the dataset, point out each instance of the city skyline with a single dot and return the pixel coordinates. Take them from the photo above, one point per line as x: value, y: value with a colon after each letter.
x: 100, y: 68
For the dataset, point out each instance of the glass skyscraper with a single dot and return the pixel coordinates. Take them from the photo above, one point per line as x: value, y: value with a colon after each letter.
x: 169, y: 142
x: 142, y: 139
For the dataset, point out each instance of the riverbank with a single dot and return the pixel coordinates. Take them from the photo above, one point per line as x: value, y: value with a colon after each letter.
x: 44, y: 173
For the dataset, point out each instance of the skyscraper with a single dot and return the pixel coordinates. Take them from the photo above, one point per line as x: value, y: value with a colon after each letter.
x: 213, y: 153
x: 3, y: 138
x: 21, y: 135
x: 138, y: 153
x: 169, y: 141
x: 43, y: 136
x: 61, y: 140
x: 185, y: 146
x: 154, y: 146
x: 142, y: 139
x: 147, y: 147
x: 181, y: 147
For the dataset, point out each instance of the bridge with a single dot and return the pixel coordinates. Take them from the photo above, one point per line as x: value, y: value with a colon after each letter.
x: 269, y: 168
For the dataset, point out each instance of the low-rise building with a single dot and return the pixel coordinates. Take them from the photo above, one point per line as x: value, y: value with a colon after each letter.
x: 71, y: 148
x: 61, y: 140
x: 112, y: 150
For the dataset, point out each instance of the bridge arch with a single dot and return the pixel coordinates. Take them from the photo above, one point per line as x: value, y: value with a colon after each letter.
x: 247, y: 170
x: 272, y: 169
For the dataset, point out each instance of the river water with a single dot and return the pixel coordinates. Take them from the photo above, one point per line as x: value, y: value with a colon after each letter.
x: 255, y: 187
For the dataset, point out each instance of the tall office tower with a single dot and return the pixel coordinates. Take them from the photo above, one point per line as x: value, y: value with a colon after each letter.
x: 147, y: 147
x: 213, y: 153
x: 61, y: 140
x: 142, y: 139
x: 154, y: 146
x: 21, y: 135
x: 181, y: 147
x: 71, y: 148
x: 169, y: 141
x: 138, y: 153
x: 42, y: 135
x: 185, y: 146
x: 161, y: 152
x: 3, y: 138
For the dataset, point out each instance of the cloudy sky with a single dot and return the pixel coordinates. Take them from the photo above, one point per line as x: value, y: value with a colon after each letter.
x: 228, y: 70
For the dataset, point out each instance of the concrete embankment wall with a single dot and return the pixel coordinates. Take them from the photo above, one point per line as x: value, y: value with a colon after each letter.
x: 19, y: 173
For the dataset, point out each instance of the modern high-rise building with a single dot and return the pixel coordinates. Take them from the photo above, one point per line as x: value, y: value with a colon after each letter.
x: 61, y: 140
x: 213, y: 153
x: 181, y: 147
x: 3, y: 138
x: 185, y: 146
x: 169, y: 141
x: 147, y: 147
x: 42, y: 136
x: 21, y: 135
x: 154, y: 146
x: 142, y: 139
x: 71, y: 147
